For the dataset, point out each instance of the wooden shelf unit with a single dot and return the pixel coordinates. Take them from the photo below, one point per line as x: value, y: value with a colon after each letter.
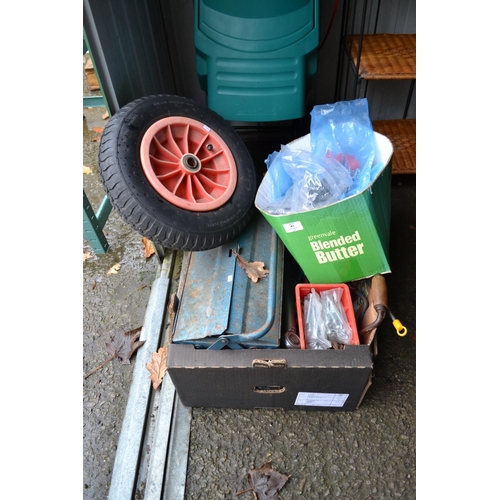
x: 387, y: 56
x: 402, y: 134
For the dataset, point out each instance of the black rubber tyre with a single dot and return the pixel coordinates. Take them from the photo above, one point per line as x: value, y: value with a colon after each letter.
x: 141, y: 205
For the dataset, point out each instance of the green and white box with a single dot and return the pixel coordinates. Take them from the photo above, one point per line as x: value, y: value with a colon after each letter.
x: 344, y: 241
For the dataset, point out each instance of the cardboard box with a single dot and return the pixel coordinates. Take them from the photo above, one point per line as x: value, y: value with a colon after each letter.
x: 291, y: 379
x: 345, y: 241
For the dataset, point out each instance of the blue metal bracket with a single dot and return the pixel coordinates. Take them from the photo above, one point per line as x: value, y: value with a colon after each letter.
x: 93, y: 224
x: 90, y: 101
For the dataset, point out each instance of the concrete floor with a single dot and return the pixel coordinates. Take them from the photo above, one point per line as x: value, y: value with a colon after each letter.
x: 366, y: 454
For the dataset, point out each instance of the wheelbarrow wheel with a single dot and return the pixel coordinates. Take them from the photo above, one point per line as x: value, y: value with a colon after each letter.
x: 177, y: 172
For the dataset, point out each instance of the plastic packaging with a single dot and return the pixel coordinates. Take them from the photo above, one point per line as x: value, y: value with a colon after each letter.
x: 281, y: 182
x: 336, y: 324
x: 314, y: 326
x: 344, y: 131
x: 338, y: 162
x: 303, y: 181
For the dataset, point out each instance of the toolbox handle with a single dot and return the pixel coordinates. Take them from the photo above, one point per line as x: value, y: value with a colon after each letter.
x: 269, y: 389
x: 271, y: 302
x: 269, y: 363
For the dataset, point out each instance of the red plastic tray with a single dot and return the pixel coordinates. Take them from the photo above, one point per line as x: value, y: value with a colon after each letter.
x: 302, y: 290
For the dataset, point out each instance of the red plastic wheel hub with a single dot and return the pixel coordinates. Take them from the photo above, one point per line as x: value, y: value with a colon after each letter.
x: 188, y: 164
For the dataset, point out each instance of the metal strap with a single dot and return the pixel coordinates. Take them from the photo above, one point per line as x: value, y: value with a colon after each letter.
x: 168, y: 440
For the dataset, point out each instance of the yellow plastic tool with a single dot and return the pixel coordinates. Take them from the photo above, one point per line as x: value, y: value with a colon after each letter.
x: 400, y: 329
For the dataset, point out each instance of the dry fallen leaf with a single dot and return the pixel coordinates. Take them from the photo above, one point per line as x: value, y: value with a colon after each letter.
x: 87, y: 170
x: 254, y: 270
x: 105, y: 116
x: 122, y: 346
x: 99, y: 131
x: 87, y: 256
x: 265, y: 482
x: 158, y: 366
x: 149, y: 249
x: 173, y: 305
x: 114, y: 269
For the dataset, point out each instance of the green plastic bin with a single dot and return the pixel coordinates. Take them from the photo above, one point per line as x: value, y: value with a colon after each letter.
x: 256, y: 59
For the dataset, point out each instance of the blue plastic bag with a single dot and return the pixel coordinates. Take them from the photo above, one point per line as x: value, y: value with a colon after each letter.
x: 344, y: 131
x: 302, y: 181
x: 281, y: 182
x: 338, y: 162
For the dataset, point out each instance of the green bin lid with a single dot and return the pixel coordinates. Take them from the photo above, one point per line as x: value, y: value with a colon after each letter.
x: 258, y: 25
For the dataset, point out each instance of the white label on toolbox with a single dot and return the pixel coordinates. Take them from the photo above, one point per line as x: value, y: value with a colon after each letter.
x: 320, y: 399
x: 293, y: 226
